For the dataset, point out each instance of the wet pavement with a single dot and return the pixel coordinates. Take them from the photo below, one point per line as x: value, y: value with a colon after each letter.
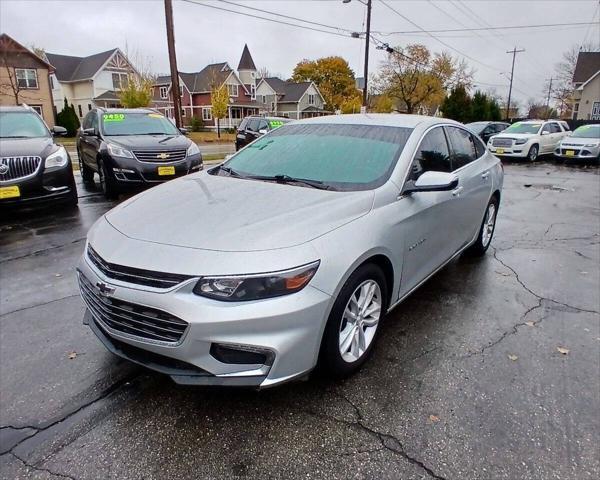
x: 490, y: 370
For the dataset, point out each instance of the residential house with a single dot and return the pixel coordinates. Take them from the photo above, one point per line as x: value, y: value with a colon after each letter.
x: 90, y: 81
x: 586, y: 87
x: 25, y: 78
x: 196, y: 92
x: 289, y: 99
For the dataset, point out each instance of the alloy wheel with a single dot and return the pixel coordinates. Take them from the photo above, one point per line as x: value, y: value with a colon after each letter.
x: 488, y: 225
x: 360, y: 321
x: 533, y: 153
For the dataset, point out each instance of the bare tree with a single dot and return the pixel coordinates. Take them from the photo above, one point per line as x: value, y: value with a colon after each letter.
x: 263, y: 72
x: 10, y: 87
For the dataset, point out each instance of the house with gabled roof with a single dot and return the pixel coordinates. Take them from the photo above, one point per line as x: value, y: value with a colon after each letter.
x: 24, y: 78
x: 586, y: 87
x: 290, y: 99
x: 89, y: 81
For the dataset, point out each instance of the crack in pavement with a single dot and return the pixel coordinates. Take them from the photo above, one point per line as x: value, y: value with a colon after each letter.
x: 539, y: 297
x: 41, y: 469
x: 388, y: 442
x: 39, y: 305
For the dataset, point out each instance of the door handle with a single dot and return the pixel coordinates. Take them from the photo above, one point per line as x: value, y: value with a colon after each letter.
x: 485, y: 175
x: 457, y: 191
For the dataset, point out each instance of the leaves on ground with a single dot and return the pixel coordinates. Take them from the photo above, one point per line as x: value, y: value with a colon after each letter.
x: 513, y: 357
x: 563, y: 350
x: 434, y: 418
x: 72, y: 355
x: 530, y: 324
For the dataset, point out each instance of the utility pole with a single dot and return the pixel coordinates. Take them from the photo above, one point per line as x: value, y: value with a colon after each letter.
x: 175, y: 91
x: 364, y: 102
x: 514, y: 52
x: 548, y: 99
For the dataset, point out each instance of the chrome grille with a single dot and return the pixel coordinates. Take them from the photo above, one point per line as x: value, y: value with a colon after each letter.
x: 135, y: 275
x: 502, y: 142
x: 13, y: 168
x: 130, y: 318
x: 160, y: 155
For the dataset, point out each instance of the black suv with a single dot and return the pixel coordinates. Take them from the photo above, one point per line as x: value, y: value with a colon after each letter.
x: 133, y: 147
x: 33, y: 169
x: 487, y: 129
x: 253, y: 127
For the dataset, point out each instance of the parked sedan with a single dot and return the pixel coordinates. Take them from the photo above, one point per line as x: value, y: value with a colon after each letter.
x: 487, y: 129
x: 529, y: 139
x: 582, y: 144
x: 33, y: 168
x: 291, y: 252
x: 131, y: 148
x: 254, y: 127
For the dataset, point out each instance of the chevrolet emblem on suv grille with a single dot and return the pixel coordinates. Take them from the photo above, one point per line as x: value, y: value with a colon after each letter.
x: 163, y: 155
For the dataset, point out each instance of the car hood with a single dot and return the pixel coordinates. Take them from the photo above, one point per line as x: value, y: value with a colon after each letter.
x: 18, y: 147
x: 515, y: 135
x: 579, y: 141
x: 212, y: 212
x: 150, y: 142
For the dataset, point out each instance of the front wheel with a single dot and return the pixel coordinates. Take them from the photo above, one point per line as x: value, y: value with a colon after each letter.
x: 87, y: 174
x: 353, y: 323
x: 107, y: 183
x: 533, y: 153
x: 486, y: 232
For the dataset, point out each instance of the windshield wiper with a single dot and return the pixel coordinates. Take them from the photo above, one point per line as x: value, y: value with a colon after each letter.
x: 230, y: 171
x: 310, y: 183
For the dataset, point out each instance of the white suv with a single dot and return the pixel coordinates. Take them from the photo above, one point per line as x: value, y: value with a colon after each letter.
x: 529, y: 139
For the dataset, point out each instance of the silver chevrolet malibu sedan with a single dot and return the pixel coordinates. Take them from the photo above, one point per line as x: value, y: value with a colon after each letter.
x: 290, y: 253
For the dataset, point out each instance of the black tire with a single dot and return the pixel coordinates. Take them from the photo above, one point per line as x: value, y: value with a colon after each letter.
x: 534, y: 153
x: 73, y: 198
x: 87, y: 174
x: 107, y: 182
x: 482, y: 243
x: 330, y: 358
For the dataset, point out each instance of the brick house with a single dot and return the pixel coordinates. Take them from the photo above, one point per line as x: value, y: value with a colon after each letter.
x: 196, y: 92
x: 25, y: 78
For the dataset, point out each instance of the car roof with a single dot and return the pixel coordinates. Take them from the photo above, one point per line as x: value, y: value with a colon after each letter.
x: 127, y: 110
x: 378, y: 119
x: 269, y: 118
x: 15, y: 108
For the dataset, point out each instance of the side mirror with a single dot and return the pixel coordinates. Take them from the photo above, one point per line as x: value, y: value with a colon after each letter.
x: 545, y: 133
x: 262, y: 131
x: 432, y: 182
x: 89, y: 132
x: 58, y: 130
x: 183, y: 130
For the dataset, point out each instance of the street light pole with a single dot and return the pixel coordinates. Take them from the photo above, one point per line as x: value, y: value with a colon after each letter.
x: 367, y: 38
x: 514, y: 52
x: 175, y: 91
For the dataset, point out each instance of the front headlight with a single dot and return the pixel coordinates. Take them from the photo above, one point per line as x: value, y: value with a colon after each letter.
x: 193, y: 149
x: 117, y: 151
x: 57, y: 159
x: 242, y: 288
x: 521, y: 141
x: 592, y: 145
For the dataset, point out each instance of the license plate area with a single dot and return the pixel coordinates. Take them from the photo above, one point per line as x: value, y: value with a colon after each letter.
x: 166, y: 170
x: 570, y: 153
x: 10, y: 192
x: 500, y: 151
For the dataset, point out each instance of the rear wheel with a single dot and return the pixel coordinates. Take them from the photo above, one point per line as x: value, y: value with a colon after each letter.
x: 107, y: 183
x: 533, y: 153
x: 486, y: 232
x: 87, y: 174
x: 353, y: 323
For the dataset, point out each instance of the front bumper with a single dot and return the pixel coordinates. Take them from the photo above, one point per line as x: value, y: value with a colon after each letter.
x: 578, y: 152
x: 286, y: 329
x: 517, y: 151
x: 56, y: 184
x: 131, y: 171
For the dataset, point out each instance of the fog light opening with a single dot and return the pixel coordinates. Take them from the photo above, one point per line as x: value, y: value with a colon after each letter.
x: 241, y: 354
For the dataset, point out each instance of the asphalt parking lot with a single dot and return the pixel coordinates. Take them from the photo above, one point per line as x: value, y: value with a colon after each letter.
x: 491, y: 370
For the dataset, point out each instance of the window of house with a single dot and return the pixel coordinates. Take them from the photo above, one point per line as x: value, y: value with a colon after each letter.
x: 463, y: 147
x: 264, y: 99
x: 51, y: 82
x: 26, y: 77
x: 233, y: 90
x: 119, y: 80
x: 80, y: 110
x: 253, y: 91
x: 433, y: 155
x: 37, y: 108
x: 311, y: 99
x: 89, y: 106
x: 236, y: 113
x: 183, y: 112
x: 272, y: 106
x: 181, y: 90
x: 207, y: 113
x: 164, y: 92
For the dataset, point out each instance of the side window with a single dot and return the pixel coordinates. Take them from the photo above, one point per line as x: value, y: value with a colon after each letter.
x: 253, y: 125
x: 93, y: 120
x: 432, y: 155
x: 556, y: 128
x: 480, y: 148
x: 87, y: 121
x: 546, y: 128
x: 463, y: 147
x: 499, y: 127
x: 262, y: 125
x: 243, y: 124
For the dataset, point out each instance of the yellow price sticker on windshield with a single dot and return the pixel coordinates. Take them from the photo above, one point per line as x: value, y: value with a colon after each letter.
x: 155, y: 115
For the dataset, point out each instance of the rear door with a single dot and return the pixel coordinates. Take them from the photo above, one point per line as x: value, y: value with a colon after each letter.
x: 546, y: 138
x: 89, y: 143
x: 472, y: 166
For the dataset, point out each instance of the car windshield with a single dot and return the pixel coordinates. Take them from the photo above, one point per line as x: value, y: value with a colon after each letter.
x: 22, y: 125
x: 342, y: 157
x: 137, y: 124
x: 523, y: 128
x: 477, y: 126
x: 587, y: 131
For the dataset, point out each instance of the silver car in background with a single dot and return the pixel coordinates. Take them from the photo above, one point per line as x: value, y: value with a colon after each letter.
x: 582, y: 144
x: 289, y: 254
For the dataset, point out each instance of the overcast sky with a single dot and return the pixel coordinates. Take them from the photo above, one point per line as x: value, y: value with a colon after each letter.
x: 206, y: 35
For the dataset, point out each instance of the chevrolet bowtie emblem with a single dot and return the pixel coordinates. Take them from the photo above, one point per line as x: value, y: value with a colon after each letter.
x: 163, y: 155
x: 104, y: 289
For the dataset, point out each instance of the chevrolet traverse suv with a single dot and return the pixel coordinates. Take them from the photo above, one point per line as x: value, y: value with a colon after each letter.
x: 33, y: 169
x: 133, y: 147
